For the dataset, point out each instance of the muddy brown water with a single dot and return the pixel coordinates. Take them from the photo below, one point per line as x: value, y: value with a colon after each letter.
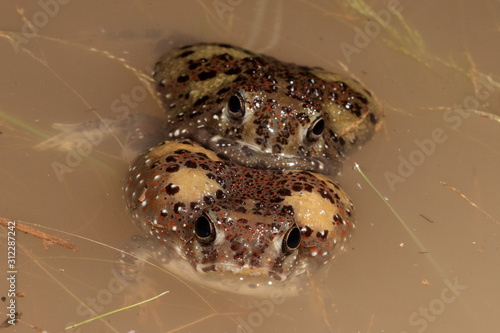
x: 431, y: 264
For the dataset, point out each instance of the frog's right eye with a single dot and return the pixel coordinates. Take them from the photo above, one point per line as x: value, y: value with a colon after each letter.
x: 204, y: 230
x: 316, y: 129
x: 291, y: 241
x: 236, y: 106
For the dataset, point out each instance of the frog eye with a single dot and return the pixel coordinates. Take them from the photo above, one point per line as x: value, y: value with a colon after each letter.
x: 236, y: 106
x: 316, y: 129
x: 205, y: 230
x: 291, y: 240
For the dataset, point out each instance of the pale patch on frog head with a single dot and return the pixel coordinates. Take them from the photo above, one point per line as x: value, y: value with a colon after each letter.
x: 352, y: 118
x: 171, y: 146
x: 188, y: 183
x: 191, y: 183
x: 312, y: 210
x: 324, y: 216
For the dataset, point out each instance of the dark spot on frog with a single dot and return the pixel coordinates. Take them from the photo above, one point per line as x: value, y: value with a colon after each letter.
x: 223, y: 91
x: 284, y: 192
x: 195, y: 207
x: 203, y: 155
x: 204, y: 166
x: 191, y: 164
x: 209, y: 200
x: 338, y: 220
x: 193, y: 65
x: 287, y: 209
x: 233, y: 71
x: 178, y: 206
x: 241, y: 209
x: 219, y: 194
x: 172, y: 189
x: 308, y: 188
x: 276, y: 200
x: 207, y: 75
x: 173, y: 168
x: 322, y: 236
x: 185, y: 54
x: 308, y: 232
x: 182, y: 78
x: 324, y: 194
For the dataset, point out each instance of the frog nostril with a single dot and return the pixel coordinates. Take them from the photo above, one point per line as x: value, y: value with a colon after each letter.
x: 205, y: 230
x: 236, y: 106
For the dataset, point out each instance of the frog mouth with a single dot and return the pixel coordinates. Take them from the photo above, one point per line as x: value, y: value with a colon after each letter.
x: 239, y: 271
x: 246, y: 272
x: 249, y: 280
x: 253, y: 156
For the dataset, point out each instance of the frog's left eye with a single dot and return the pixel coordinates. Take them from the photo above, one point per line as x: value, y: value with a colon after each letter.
x: 291, y: 240
x: 316, y: 129
x: 205, y: 230
x: 236, y: 106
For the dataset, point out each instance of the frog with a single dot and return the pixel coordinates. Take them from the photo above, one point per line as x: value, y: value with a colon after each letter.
x: 263, y: 112
x: 231, y: 227
x: 250, y: 108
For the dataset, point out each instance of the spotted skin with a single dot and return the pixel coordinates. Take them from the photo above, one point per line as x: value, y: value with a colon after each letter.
x: 254, y: 214
x: 294, y: 117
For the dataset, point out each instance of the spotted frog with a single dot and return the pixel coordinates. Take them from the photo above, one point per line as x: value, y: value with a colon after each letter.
x: 262, y: 112
x: 250, y: 108
x: 233, y: 227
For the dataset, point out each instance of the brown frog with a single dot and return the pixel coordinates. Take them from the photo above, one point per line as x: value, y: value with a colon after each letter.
x: 249, y: 108
x: 232, y: 227
x: 259, y: 111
